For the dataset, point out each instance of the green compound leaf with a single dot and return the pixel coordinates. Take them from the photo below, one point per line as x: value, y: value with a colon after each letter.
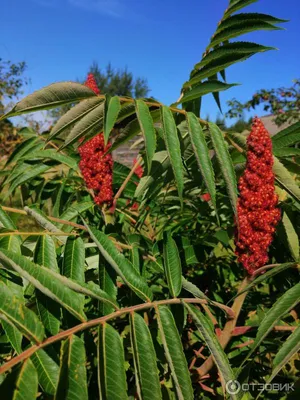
x: 281, y: 307
x: 27, y: 382
x: 219, y: 357
x: 111, y: 116
x: 13, y: 334
x: 173, y: 147
x: 286, y: 137
x: 47, y: 370
x: 111, y: 371
x: 146, y: 372
x: 55, y: 95
x: 172, y: 265
x: 202, y: 154
x: 54, y: 155
x: 241, y: 28
x: 74, y: 259
x: 147, y: 128
x: 285, y: 180
x: 26, y: 147
x: 225, y: 162
x: 74, y: 115
x: 237, y: 19
x: 120, y: 264
x: 292, y: 237
x: 43, y: 279
x: 236, y: 5
x: 174, y: 353
x: 268, y: 274
x: 25, y: 176
x: 14, y: 312
x: 49, y: 310
x: 160, y: 164
x: 289, y: 348
x: 202, y: 89
x: 72, y: 383
x: 228, y: 50
x: 90, y: 124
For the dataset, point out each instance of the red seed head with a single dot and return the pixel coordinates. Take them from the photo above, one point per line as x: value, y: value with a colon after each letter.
x: 257, y: 211
x: 139, y: 170
x: 206, y: 197
x: 91, y: 83
x: 97, y: 168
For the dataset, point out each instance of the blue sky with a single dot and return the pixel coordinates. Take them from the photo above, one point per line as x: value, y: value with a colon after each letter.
x: 160, y: 40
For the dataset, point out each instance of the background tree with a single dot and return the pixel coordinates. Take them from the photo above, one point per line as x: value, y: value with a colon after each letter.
x: 111, y: 81
x: 283, y: 103
x: 119, y: 82
x: 240, y: 126
x: 12, y: 82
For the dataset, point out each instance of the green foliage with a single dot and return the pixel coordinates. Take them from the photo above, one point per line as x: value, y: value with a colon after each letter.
x: 119, y: 82
x: 112, y: 82
x: 12, y: 82
x: 283, y: 103
x: 128, y: 301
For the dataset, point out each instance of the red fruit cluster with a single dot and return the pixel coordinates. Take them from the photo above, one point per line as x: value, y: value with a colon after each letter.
x: 139, y: 172
x: 257, y: 212
x: 97, y: 168
x: 91, y: 83
x: 206, y: 197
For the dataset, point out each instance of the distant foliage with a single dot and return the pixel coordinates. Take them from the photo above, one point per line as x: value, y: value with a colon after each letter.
x: 120, y: 82
x: 111, y: 81
x: 12, y: 82
x: 283, y: 103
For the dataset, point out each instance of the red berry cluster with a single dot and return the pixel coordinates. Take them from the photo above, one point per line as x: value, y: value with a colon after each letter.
x: 257, y: 212
x: 139, y: 172
x: 206, y: 197
x: 97, y: 168
x: 91, y: 83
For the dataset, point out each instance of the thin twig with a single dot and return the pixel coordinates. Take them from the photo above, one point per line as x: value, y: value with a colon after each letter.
x: 58, y: 220
x: 228, y: 328
x: 126, y: 215
x: 159, y: 105
x: 284, y: 328
x: 120, y: 191
x: 38, y: 233
x: 262, y: 269
x: 61, y: 221
x: 89, y: 324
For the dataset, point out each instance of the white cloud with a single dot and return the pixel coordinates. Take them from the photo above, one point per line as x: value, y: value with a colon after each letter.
x: 113, y: 8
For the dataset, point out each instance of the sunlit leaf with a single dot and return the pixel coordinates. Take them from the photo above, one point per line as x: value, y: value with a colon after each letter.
x: 113, y: 109
x: 16, y: 313
x: 225, y: 163
x: 120, y: 264
x: 202, y: 154
x: 52, y: 96
x: 147, y: 128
